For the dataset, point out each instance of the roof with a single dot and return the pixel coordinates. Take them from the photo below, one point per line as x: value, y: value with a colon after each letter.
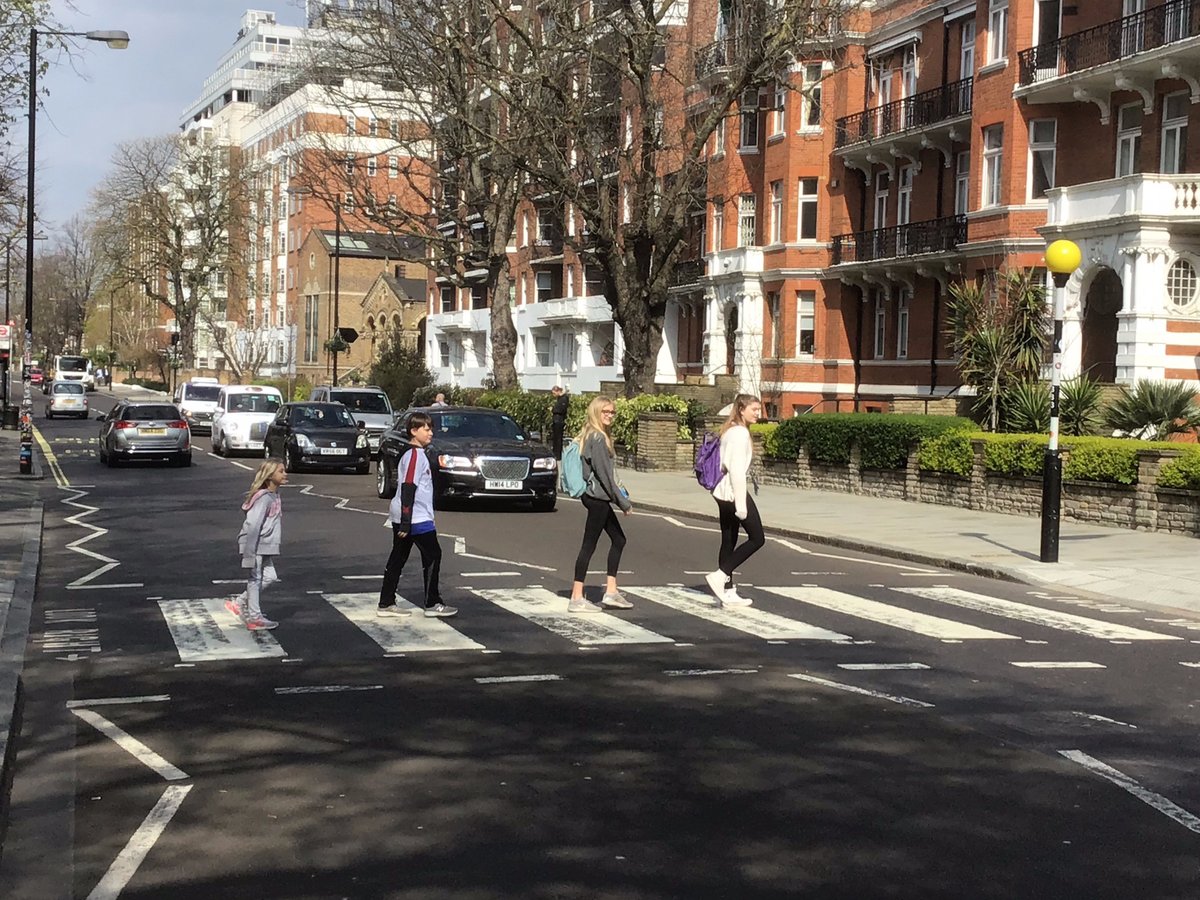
x: 373, y: 245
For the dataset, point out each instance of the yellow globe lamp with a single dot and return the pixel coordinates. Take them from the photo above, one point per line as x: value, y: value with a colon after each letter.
x: 1063, y: 258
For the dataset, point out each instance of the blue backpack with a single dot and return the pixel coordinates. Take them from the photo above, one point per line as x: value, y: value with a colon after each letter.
x: 708, y: 462
x: 573, y: 481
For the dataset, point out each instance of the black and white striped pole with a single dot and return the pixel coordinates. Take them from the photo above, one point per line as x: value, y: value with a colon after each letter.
x: 1062, y: 259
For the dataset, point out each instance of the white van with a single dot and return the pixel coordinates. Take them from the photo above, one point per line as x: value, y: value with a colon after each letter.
x: 243, y: 413
x: 197, y: 400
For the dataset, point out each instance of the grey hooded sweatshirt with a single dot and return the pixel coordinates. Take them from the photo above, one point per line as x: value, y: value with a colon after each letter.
x: 599, y: 472
x: 263, y: 529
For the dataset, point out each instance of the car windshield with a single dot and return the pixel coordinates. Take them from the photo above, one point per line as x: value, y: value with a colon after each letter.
x: 322, y: 415
x: 73, y: 388
x: 255, y: 403
x: 149, y: 413
x: 363, y: 401
x: 205, y: 392
x: 72, y: 364
x: 476, y: 425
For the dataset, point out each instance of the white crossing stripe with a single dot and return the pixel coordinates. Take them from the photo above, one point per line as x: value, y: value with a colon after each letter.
x: 548, y: 610
x: 853, y: 689
x: 1056, y: 664
x: 1047, y: 618
x: 516, y: 679
x: 886, y: 614
x: 411, y: 634
x: 881, y: 667
x: 1154, y: 800
x: 203, y: 630
x: 747, y: 619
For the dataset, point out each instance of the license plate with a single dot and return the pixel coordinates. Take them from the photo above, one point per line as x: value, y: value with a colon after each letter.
x: 152, y: 431
x: 334, y: 451
x: 69, y: 402
x: 506, y: 485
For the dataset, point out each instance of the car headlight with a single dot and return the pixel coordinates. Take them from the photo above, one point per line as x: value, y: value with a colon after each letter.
x: 455, y: 462
x: 361, y: 442
x: 546, y: 462
x: 303, y: 441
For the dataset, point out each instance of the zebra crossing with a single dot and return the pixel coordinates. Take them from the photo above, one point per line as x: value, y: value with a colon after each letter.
x: 203, y: 631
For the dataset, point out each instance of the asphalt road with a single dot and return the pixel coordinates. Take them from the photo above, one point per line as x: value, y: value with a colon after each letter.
x: 868, y: 729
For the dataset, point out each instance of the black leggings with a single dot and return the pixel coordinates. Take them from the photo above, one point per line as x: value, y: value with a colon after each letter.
x: 431, y: 565
x: 731, y: 558
x: 600, y: 517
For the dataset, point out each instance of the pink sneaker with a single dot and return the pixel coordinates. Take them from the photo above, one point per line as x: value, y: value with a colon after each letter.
x: 262, y: 623
x: 234, y: 607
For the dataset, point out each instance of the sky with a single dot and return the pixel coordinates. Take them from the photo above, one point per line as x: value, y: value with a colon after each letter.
x: 104, y: 97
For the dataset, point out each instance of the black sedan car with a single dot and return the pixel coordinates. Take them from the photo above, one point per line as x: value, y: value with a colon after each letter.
x: 476, y: 454
x: 317, y: 435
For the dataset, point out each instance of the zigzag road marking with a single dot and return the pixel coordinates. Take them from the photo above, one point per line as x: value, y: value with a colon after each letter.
x: 108, y: 563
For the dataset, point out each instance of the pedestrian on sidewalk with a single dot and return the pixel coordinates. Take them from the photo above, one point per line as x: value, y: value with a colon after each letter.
x: 734, y: 503
x: 558, y: 419
x: 411, y: 515
x: 603, y: 490
x: 258, y: 543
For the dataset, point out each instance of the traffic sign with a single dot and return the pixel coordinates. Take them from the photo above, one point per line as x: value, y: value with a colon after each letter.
x: 6, y: 336
x: 349, y: 335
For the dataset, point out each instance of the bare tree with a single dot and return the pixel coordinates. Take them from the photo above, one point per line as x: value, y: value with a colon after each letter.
x: 16, y: 18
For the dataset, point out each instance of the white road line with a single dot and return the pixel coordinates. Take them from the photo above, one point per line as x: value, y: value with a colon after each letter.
x: 1106, y: 719
x: 1154, y: 800
x: 886, y: 614
x: 241, y: 465
x: 1191, y: 665
x: 131, y: 745
x: 1047, y: 618
x: 108, y: 563
x: 881, y: 667
x: 222, y: 581
x: 818, y: 573
x: 676, y: 673
x: 1056, y: 664
x: 363, y: 577
x: 516, y: 679
x: 460, y: 549
x: 412, y: 634
x: 328, y: 688
x: 113, y: 701
x: 125, y: 866
x: 546, y: 609
x: 487, y: 574
x: 878, y: 695
x: 756, y: 622
x: 854, y: 559
x: 203, y: 630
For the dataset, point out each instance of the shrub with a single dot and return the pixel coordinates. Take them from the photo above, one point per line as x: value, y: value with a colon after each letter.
x: 400, y: 371
x: 624, y: 427
x: 1109, y: 460
x: 1080, y: 406
x: 949, y: 452
x: 1027, y: 407
x: 301, y: 387
x: 1015, y: 454
x: 885, y: 439
x: 1183, y: 472
x: 769, y: 432
x: 424, y: 394
x: 150, y: 384
x: 529, y: 410
x: 1154, y: 409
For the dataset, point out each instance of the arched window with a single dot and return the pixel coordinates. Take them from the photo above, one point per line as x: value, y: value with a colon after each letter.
x: 1181, y: 283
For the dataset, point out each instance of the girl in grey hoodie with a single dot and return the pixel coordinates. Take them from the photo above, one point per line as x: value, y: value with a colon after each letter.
x: 258, y: 543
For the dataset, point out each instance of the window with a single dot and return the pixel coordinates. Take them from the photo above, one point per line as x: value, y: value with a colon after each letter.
x: 902, y: 324
x: 812, y: 98
x: 444, y: 354
x: 880, y: 324
x: 546, y: 230
x: 393, y: 166
x: 1129, y: 139
x: 447, y: 298
x: 1181, y: 283
x: 908, y: 72
x: 349, y: 167
x: 279, y: 280
x: 372, y: 167
x: 881, y: 199
x: 394, y: 129
x: 351, y: 124
x: 348, y: 202
x: 776, y: 324
x: 779, y: 111
x: 593, y: 281
x: 993, y: 158
x: 747, y: 221
x: 776, y: 212
x: 806, y: 322
x: 719, y: 139
x: 966, y: 60
x: 962, y: 182
x: 545, y: 285
x: 749, y: 117
x: 904, y: 188
x: 997, y: 44
x: 718, y: 220
x: 479, y: 297
x: 1174, y: 133
x: 807, y: 202
x: 373, y: 126
x: 1042, y: 135
x: 312, y: 306
x: 541, y: 350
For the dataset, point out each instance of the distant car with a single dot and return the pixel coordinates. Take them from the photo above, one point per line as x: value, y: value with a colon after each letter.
x: 67, y: 398
x: 317, y: 435
x: 144, y: 431
x: 368, y: 404
x: 197, y: 400
x: 241, y: 418
x: 476, y: 454
x: 36, y: 375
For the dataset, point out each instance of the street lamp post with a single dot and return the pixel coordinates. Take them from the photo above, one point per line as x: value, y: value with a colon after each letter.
x: 116, y: 40
x: 8, y: 242
x: 1062, y: 259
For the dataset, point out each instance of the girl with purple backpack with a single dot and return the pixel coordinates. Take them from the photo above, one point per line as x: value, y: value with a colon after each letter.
x: 734, y: 503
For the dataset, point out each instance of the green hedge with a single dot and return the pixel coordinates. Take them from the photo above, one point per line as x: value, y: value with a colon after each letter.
x: 1183, y: 472
x: 885, y: 439
x: 150, y: 384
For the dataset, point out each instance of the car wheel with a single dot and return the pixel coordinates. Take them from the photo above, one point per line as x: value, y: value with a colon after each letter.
x: 363, y: 468
x: 110, y: 459
x: 385, y: 478
x: 49, y: 415
x: 184, y: 461
x: 544, y: 505
x: 289, y: 460
x: 218, y: 446
x: 101, y: 455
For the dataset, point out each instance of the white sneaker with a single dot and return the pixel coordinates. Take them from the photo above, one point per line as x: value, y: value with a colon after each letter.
x: 583, y: 605
x: 393, y: 610
x: 615, y: 601
x: 731, y: 599
x: 716, y: 583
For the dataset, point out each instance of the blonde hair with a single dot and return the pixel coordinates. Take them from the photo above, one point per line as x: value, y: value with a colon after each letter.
x: 268, y: 468
x: 740, y: 402
x: 594, y: 424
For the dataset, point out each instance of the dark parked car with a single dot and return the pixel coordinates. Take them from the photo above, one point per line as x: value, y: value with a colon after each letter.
x: 476, y: 454
x: 144, y: 431
x: 321, y: 435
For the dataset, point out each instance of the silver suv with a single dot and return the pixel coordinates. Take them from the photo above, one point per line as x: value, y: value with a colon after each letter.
x: 368, y: 404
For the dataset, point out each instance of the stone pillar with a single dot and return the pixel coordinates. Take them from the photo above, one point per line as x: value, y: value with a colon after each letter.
x: 1145, y: 497
x: 912, y: 475
x: 978, y: 493
x: 656, y: 433
x: 804, y: 477
x: 855, y: 468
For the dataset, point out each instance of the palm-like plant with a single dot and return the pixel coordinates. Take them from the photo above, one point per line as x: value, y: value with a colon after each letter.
x: 1027, y: 407
x: 1080, y: 404
x: 1000, y: 336
x: 1153, y: 410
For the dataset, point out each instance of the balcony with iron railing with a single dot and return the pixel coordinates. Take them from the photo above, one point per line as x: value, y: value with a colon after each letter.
x: 911, y: 239
x: 716, y: 58
x: 1096, y: 57
x: 546, y: 247
x: 688, y: 272
x: 920, y: 111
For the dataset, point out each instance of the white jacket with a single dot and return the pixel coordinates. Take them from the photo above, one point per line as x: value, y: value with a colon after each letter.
x: 737, y: 452
x: 422, y: 510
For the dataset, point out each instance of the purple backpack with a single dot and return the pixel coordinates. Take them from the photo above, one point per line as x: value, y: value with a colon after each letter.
x: 708, y: 462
